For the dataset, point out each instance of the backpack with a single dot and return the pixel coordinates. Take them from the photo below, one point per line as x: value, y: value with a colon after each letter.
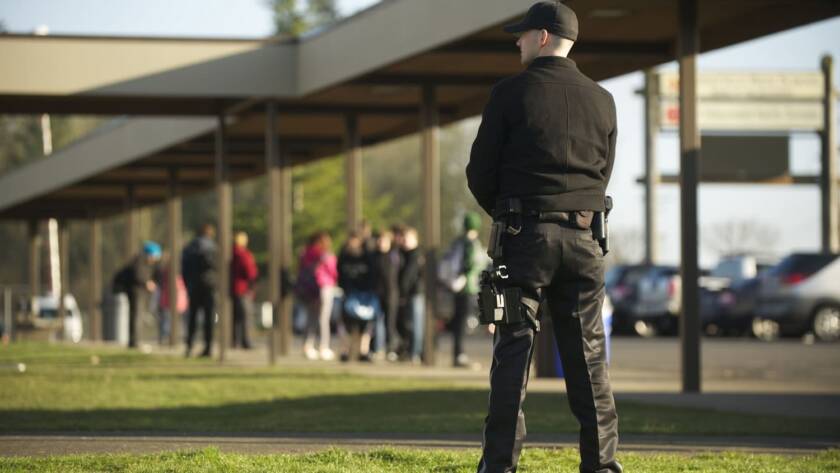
x: 451, y: 266
x: 306, y: 286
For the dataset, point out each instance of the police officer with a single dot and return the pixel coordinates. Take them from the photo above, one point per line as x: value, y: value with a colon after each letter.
x: 540, y: 163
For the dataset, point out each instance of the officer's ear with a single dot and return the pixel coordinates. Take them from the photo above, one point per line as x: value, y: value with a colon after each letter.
x: 545, y: 38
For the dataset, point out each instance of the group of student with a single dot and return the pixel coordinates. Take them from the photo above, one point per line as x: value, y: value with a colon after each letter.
x: 377, y: 279
x: 379, y: 282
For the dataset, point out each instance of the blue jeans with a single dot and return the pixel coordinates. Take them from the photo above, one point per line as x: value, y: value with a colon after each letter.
x: 379, y: 332
x: 417, y: 305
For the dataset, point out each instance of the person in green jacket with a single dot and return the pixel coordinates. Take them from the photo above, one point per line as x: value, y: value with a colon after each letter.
x: 465, y: 285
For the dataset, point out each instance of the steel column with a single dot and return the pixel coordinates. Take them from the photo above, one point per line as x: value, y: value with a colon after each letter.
x: 63, y: 262
x: 34, y: 243
x: 688, y: 47
x: 430, y: 154
x: 279, y: 237
x: 174, y: 228
x: 94, y: 299
x: 224, y: 201
x: 651, y: 168
x: 828, y: 173
x: 130, y: 222
x: 353, y: 172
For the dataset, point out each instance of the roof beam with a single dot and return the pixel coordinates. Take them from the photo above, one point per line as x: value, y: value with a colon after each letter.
x: 593, y: 48
x: 418, y: 80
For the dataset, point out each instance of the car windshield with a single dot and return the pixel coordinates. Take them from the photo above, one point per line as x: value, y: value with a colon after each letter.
x: 633, y: 275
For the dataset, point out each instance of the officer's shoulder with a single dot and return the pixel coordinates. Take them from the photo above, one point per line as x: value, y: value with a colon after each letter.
x: 504, y: 85
x: 585, y: 80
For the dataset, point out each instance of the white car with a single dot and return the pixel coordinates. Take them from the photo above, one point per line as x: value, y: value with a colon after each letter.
x: 47, y: 309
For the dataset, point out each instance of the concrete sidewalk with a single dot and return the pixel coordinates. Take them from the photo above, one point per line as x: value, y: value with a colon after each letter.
x: 148, y: 443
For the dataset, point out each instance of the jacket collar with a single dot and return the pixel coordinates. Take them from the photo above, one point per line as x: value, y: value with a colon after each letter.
x: 552, y: 61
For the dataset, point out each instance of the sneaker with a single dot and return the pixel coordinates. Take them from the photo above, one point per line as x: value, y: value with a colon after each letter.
x: 310, y: 353
x: 463, y: 361
x: 327, y: 354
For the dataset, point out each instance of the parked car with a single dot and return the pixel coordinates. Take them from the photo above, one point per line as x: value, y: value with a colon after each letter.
x: 728, y: 296
x: 622, y: 288
x: 47, y: 309
x: 799, y: 295
x: 659, y: 302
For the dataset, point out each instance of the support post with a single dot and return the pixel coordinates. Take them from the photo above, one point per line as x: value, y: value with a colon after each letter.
x: 430, y: 142
x: 286, y: 253
x: 279, y: 237
x: 34, y: 243
x: 828, y: 174
x: 688, y: 49
x: 94, y: 299
x: 353, y: 172
x: 272, y: 164
x: 8, y: 317
x: 651, y: 168
x: 63, y: 261
x: 174, y: 228
x: 224, y: 201
x: 130, y: 222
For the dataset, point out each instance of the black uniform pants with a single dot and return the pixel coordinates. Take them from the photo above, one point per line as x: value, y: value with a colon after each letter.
x: 133, y: 315
x: 464, y: 304
x: 563, y: 267
x: 201, y: 299
x: 242, y: 308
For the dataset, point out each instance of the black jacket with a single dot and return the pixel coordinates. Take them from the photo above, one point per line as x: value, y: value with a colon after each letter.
x: 356, y: 271
x: 199, y: 264
x: 411, y: 273
x: 547, y: 135
x: 133, y: 276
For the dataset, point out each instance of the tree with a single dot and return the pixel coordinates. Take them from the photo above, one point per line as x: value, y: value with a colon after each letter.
x: 626, y: 246
x: 291, y: 19
x: 736, y: 237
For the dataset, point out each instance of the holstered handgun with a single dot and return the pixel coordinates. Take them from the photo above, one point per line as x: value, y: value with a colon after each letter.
x: 600, y: 230
x: 507, y: 218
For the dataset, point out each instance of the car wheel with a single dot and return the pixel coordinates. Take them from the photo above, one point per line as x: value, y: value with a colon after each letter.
x: 766, y: 330
x: 826, y: 323
x: 645, y: 329
x: 713, y: 330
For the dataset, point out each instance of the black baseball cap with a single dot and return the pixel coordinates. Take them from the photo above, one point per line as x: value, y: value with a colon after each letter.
x: 554, y: 17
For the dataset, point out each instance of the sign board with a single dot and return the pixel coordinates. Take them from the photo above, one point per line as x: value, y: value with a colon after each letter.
x: 748, y: 85
x: 744, y: 115
x: 744, y: 158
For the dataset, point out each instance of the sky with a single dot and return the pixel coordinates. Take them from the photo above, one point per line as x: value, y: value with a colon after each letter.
x: 792, y: 212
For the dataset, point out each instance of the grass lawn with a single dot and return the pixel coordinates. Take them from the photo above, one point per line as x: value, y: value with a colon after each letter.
x: 103, y: 389
x: 409, y: 461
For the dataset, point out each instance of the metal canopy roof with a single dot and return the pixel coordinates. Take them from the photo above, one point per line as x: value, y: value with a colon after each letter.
x: 372, y: 65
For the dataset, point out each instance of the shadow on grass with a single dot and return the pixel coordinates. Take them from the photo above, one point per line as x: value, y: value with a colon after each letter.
x: 419, y: 411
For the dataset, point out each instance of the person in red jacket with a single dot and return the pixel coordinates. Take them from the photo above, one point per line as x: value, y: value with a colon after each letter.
x: 243, y: 271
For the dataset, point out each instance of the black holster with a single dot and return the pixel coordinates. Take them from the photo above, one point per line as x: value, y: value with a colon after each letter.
x: 502, y: 305
x: 507, y: 218
x: 600, y: 228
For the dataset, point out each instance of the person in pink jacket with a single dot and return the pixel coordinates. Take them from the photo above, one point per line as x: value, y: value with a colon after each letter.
x: 317, y: 279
